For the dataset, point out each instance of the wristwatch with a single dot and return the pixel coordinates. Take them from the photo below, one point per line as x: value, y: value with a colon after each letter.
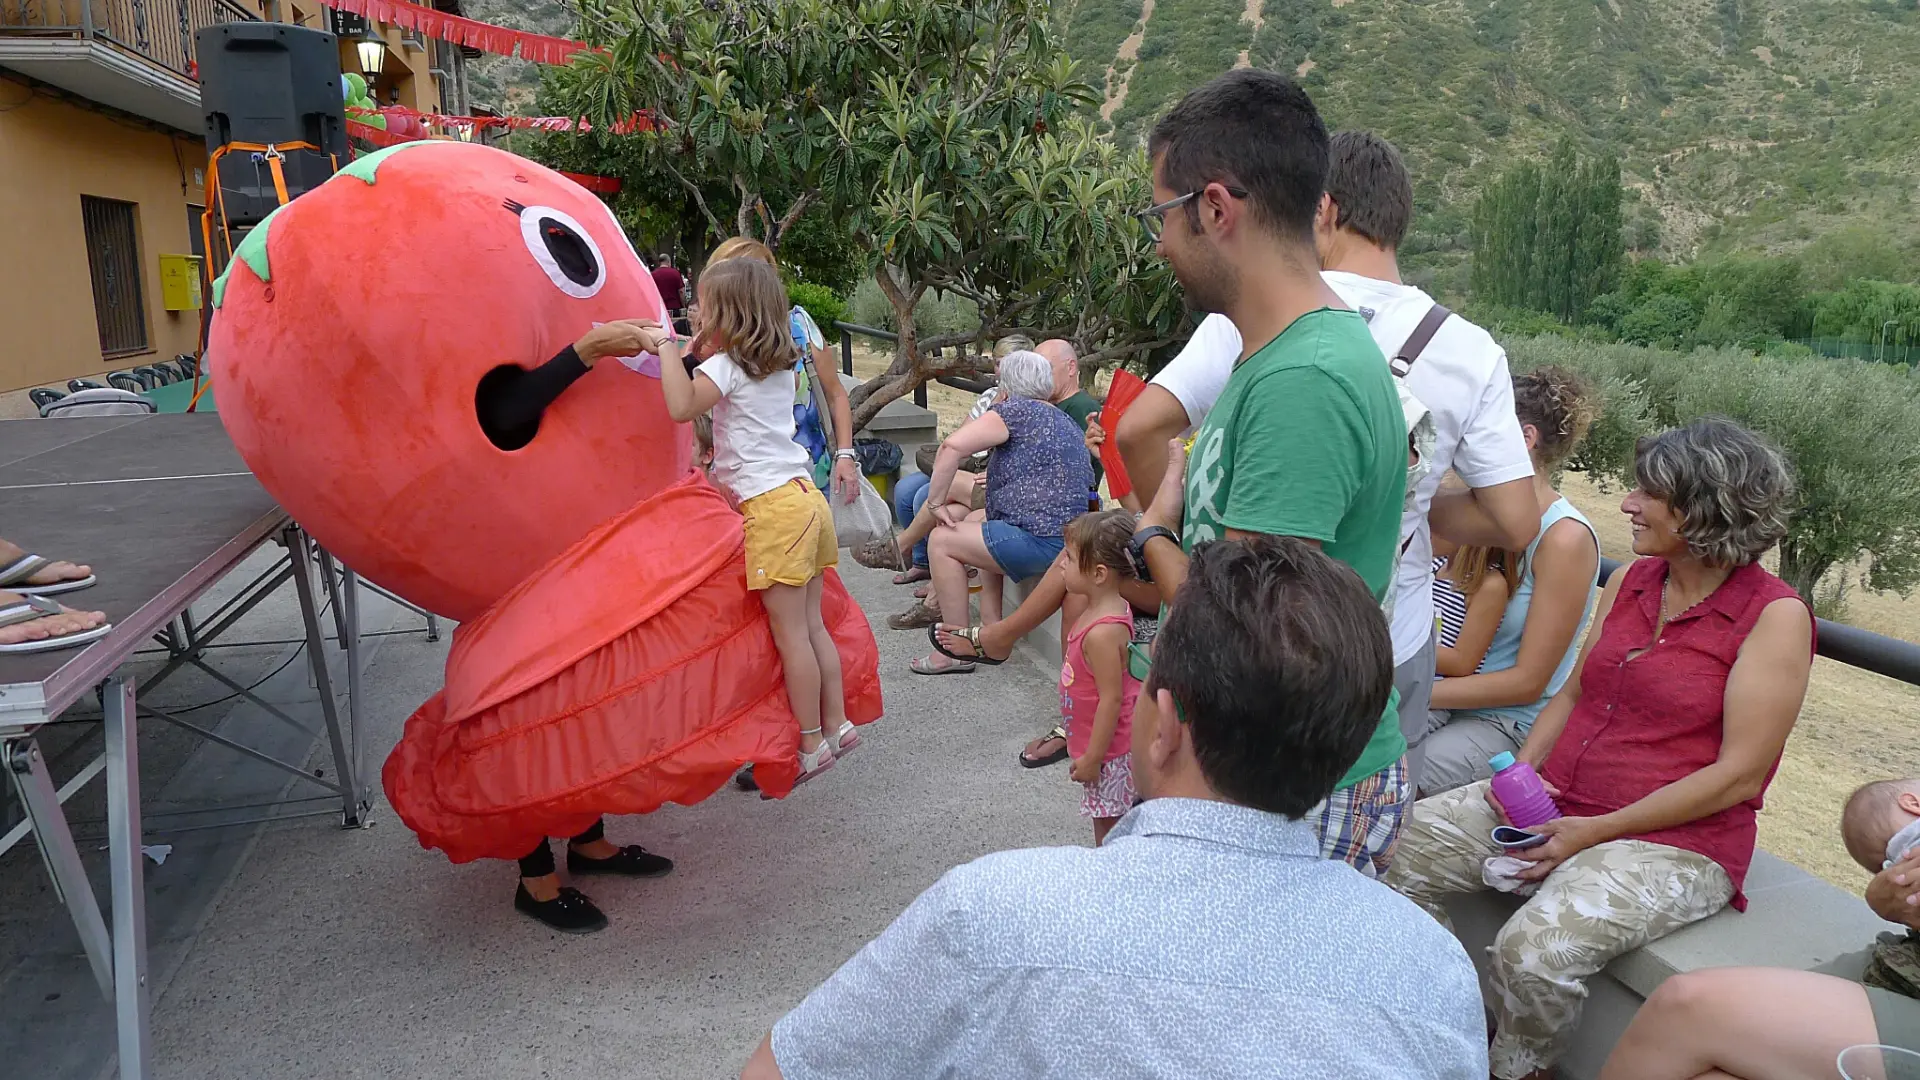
x: 846, y: 454
x: 1137, y: 549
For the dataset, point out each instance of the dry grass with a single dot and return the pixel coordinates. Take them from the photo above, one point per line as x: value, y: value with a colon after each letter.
x: 1855, y: 726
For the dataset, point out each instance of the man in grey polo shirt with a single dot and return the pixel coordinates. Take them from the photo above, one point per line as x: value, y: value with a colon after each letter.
x: 1207, y: 937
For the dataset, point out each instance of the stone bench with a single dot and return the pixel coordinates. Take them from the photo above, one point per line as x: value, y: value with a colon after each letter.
x: 905, y: 425
x: 1793, y: 920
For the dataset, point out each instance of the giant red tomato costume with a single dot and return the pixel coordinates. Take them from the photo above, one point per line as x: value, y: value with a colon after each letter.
x: 610, y: 657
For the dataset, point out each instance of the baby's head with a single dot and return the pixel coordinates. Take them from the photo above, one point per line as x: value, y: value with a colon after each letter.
x: 703, y: 441
x: 1874, y: 814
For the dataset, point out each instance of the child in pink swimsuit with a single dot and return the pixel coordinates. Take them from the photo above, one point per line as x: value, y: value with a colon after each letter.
x: 1097, y: 690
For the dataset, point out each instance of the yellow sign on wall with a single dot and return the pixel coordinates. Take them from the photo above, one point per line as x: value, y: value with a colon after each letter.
x: 180, y: 282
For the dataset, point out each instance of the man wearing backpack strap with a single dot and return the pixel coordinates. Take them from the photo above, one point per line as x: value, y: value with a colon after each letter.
x: 1456, y: 370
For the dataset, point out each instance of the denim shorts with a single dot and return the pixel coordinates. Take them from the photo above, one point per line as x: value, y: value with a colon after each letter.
x: 1020, y: 553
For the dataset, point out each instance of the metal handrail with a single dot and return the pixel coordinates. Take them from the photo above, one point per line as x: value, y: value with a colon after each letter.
x: 1849, y: 645
x: 958, y: 382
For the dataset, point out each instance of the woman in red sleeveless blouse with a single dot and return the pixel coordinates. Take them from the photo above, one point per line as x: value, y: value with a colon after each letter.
x: 1658, y: 750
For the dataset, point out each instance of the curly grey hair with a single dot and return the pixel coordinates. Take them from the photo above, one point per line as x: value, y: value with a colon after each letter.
x: 1731, y: 488
x: 1027, y: 374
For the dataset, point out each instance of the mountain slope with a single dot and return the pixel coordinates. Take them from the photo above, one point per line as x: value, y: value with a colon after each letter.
x: 1741, y: 123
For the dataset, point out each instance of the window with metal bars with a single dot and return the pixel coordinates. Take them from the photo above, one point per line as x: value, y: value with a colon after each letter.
x: 113, y: 256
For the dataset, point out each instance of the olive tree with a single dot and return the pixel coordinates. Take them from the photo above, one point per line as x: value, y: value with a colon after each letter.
x: 946, y: 140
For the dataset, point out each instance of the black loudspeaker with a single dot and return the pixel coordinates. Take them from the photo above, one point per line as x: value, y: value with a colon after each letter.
x: 269, y: 82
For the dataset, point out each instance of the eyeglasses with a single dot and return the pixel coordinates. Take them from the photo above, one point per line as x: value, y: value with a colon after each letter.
x: 1140, y: 665
x: 1154, y: 218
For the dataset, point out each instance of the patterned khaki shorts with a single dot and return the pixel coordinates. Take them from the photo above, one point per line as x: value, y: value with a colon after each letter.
x: 790, y: 536
x: 1112, y: 795
x: 1610, y: 899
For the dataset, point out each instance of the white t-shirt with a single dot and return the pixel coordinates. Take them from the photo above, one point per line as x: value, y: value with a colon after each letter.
x: 753, y: 447
x: 1461, y: 376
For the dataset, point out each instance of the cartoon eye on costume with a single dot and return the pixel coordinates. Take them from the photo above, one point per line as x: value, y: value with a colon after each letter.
x: 563, y: 248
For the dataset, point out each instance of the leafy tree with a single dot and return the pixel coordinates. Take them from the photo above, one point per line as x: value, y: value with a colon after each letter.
x: 1850, y: 429
x: 1549, y: 238
x: 1660, y: 319
x: 942, y: 141
x: 1868, y: 312
x: 1854, y: 251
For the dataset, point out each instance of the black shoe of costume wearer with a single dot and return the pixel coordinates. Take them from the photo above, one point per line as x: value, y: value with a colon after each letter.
x: 744, y: 780
x: 632, y: 860
x: 570, y: 912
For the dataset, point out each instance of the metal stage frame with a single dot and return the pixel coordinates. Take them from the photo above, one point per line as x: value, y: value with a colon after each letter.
x: 94, y: 474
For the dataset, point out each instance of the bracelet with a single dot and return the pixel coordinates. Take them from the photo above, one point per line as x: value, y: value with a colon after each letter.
x: 845, y: 455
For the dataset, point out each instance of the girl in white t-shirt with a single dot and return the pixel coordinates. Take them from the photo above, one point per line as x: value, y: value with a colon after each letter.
x: 748, y: 384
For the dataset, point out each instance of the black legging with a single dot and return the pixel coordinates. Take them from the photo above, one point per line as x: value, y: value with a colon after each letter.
x: 539, y: 861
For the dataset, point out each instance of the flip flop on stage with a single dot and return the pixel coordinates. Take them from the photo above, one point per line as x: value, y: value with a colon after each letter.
x: 24, y: 611
x: 33, y: 575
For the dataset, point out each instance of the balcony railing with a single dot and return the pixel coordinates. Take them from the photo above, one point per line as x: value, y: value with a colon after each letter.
x: 159, y: 31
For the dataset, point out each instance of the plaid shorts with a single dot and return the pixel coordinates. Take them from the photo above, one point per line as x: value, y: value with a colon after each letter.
x: 1360, y: 824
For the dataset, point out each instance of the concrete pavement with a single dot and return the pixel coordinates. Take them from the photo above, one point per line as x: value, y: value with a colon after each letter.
x: 356, y: 954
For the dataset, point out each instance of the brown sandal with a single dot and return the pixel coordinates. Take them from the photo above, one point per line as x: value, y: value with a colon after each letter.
x: 1057, y: 756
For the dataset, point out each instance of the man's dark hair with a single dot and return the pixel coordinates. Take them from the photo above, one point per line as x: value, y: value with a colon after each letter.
x: 1254, y: 130
x: 1280, y: 661
x: 1370, y: 188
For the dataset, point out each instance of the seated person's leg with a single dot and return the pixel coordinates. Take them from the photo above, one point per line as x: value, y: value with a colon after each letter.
x: 1445, y: 841
x: 1757, y: 1024
x: 951, y: 550
x: 998, y: 641
x: 1598, y: 904
x: 908, y: 494
x: 1457, y: 751
x: 992, y: 588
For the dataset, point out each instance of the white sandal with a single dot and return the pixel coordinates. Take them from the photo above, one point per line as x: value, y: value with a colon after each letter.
x: 13, y: 578
x: 844, y: 740
x: 34, y: 608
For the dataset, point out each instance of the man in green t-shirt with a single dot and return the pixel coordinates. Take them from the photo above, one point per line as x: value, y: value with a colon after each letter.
x: 1308, y: 438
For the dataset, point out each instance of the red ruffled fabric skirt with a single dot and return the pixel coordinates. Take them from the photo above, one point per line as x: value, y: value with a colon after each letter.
x: 632, y: 671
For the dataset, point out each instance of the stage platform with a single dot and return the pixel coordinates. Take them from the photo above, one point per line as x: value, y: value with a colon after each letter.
x: 163, y: 509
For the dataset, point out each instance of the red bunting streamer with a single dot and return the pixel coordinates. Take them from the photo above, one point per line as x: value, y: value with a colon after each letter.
x: 599, y: 185
x: 638, y: 122
x: 486, y: 37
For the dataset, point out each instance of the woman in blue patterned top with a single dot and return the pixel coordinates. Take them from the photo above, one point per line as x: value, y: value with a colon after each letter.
x: 1038, y: 479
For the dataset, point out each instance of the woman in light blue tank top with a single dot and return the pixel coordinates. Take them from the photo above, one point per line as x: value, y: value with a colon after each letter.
x: 1538, y: 641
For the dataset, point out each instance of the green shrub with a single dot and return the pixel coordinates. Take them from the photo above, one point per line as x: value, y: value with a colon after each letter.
x: 1621, y: 404
x: 820, y: 303
x: 936, y: 313
x: 1661, y: 319
x: 1850, y: 428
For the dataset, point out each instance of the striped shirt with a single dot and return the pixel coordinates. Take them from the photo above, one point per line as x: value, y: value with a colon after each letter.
x: 1451, y: 605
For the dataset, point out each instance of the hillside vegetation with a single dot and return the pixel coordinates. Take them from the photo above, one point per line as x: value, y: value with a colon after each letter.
x: 1741, y: 124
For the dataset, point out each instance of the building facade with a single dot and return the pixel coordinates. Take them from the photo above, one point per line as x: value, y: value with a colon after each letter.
x: 103, y: 167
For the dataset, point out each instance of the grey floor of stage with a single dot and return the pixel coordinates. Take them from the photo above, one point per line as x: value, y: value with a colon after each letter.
x: 297, y: 950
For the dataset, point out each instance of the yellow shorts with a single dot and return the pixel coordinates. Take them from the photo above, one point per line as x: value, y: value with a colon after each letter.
x: 789, y: 536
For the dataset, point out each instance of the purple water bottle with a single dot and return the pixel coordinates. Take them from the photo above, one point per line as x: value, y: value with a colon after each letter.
x: 1518, y: 788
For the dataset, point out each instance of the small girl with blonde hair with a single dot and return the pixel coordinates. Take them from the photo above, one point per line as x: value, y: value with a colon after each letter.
x: 747, y: 385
